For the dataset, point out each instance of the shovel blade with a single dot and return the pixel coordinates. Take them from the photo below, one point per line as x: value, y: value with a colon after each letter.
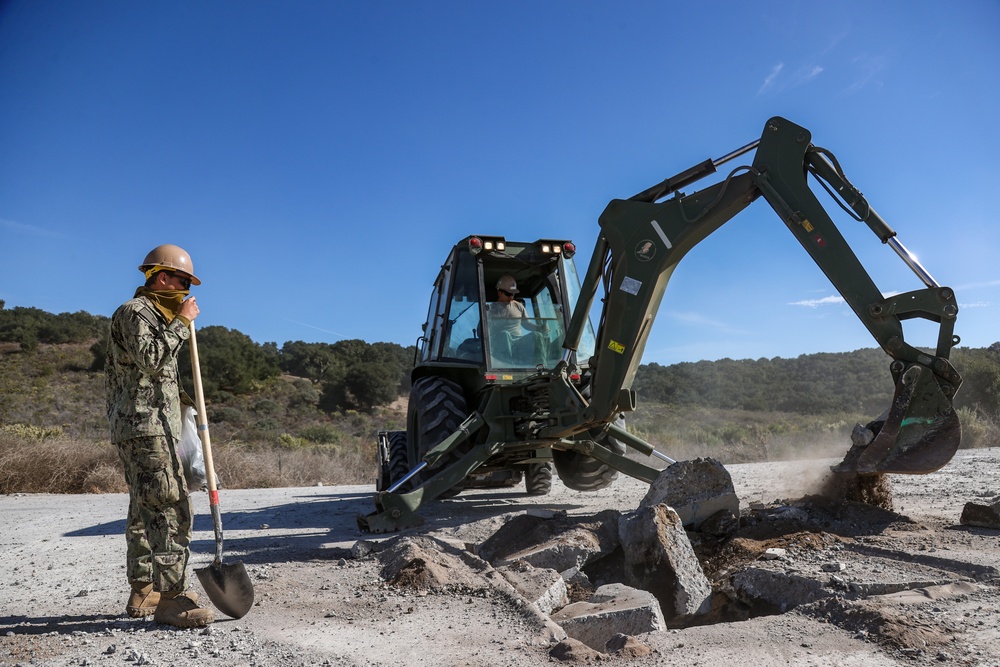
x: 228, y: 587
x: 921, y: 432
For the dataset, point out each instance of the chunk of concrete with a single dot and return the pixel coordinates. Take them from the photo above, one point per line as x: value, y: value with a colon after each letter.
x: 613, y: 609
x: 777, y: 590
x: 695, y: 489
x: 983, y: 516
x: 544, y: 588
x: 659, y: 559
x: 560, y: 543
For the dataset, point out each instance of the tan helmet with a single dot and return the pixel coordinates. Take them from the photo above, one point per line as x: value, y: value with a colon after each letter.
x: 171, y: 257
x: 507, y: 284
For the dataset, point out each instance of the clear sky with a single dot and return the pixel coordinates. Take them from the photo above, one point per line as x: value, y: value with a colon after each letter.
x: 318, y: 159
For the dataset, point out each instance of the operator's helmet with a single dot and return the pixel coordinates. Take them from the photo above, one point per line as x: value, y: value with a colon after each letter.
x: 507, y: 284
x: 171, y: 258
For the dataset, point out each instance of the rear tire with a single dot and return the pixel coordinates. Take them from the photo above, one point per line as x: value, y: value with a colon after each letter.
x: 538, y: 479
x: 399, y: 462
x: 585, y: 473
x: 437, y: 408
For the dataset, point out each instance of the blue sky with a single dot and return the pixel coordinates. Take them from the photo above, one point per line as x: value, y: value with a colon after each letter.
x: 318, y: 159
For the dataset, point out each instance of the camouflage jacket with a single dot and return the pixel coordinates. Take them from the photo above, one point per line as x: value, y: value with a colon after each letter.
x: 143, y: 391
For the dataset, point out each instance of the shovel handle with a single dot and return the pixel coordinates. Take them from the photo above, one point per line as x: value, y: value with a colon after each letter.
x: 206, y: 443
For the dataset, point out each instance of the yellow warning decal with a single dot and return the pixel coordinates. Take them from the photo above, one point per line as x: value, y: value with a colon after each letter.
x: 616, y: 347
x: 508, y: 377
x: 807, y: 225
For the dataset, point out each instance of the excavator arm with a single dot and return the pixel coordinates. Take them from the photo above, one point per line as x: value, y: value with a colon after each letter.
x: 642, y: 239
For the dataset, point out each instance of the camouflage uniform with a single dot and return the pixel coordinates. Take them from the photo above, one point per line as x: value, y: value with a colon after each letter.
x: 144, y: 410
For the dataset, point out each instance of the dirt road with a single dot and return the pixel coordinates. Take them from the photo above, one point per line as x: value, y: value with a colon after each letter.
x: 63, y: 587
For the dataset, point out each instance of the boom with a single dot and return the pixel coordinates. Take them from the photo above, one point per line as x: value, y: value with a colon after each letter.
x: 642, y: 241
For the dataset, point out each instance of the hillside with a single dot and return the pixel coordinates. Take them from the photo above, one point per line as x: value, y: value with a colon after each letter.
x: 307, y: 413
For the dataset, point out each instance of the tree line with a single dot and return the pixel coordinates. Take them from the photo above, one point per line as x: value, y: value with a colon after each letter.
x: 354, y: 374
x: 853, y: 382
x: 350, y: 374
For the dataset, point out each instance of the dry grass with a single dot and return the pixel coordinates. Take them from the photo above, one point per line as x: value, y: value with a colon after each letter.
x: 244, y: 467
x: 58, y: 465
x: 62, y: 465
x: 741, y: 436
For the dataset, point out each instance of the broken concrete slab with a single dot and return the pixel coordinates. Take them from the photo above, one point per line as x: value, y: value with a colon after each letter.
x: 983, y: 516
x: 559, y: 543
x: 613, y: 609
x: 777, y: 591
x: 429, y: 564
x: 696, y: 489
x: 659, y: 559
x: 542, y: 587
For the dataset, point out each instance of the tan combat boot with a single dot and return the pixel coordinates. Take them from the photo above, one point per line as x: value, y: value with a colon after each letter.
x: 142, y: 601
x: 182, y: 610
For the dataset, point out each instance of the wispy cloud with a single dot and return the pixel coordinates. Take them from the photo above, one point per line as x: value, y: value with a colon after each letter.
x: 869, y: 69
x: 807, y: 74
x: 979, y: 285
x: 975, y: 304
x: 699, y: 320
x: 29, y: 230
x: 778, y: 81
x: 335, y: 333
x: 769, y: 81
x: 816, y: 303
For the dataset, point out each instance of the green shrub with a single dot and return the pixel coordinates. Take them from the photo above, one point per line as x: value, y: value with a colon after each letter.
x: 323, y: 434
x: 226, y: 414
x: 29, y: 432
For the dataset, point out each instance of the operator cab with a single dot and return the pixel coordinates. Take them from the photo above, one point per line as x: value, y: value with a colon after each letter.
x: 466, y: 322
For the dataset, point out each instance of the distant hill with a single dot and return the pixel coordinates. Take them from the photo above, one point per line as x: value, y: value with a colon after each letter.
x: 51, y: 374
x: 856, y: 381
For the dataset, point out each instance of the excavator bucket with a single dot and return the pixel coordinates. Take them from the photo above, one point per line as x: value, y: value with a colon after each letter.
x: 921, y: 432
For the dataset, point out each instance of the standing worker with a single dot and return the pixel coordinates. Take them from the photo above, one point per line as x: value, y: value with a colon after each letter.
x: 144, y: 410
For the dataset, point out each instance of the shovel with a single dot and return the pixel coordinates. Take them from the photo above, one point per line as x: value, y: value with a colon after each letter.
x: 228, y: 585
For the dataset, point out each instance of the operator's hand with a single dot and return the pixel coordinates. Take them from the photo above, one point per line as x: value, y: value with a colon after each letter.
x: 189, y: 309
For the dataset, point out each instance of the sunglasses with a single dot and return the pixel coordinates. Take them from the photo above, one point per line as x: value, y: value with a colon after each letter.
x: 185, y: 281
x: 506, y: 293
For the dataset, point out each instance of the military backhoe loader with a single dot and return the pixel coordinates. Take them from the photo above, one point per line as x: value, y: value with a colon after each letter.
x: 493, y: 402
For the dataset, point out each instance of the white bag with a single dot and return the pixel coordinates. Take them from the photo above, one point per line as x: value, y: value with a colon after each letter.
x: 189, y: 451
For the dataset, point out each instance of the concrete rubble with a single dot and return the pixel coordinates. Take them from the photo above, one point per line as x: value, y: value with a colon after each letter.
x: 659, y: 559
x: 612, y: 610
x: 595, y: 583
x: 559, y: 543
x: 696, y: 490
x: 542, y: 587
x: 536, y: 559
x: 983, y: 516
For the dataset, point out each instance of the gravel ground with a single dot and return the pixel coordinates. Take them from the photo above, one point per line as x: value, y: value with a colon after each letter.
x: 63, y: 589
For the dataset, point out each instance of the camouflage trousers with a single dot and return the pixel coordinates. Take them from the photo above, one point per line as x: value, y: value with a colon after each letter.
x: 158, y: 532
